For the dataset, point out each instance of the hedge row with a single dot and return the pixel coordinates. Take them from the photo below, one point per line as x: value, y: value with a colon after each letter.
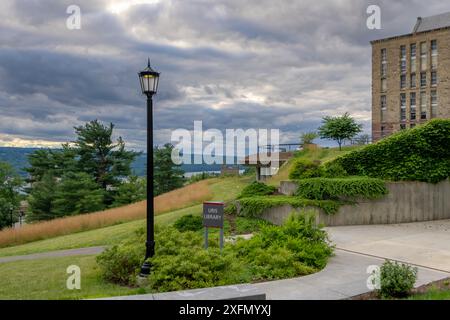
x: 337, y: 188
x: 419, y: 154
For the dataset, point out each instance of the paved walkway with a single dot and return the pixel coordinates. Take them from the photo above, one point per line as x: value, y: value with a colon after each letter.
x: 424, y: 244
x: 52, y: 254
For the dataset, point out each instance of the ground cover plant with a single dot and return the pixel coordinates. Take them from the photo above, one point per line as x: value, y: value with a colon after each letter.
x: 338, y: 188
x: 297, y: 248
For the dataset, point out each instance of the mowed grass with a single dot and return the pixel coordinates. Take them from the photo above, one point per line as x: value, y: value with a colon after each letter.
x: 46, y: 279
x: 221, y: 188
x: 180, y: 198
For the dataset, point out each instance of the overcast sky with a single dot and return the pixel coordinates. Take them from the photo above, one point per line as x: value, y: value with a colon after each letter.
x: 231, y: 63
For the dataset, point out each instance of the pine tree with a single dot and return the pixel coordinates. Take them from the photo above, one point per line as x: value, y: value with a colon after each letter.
x: 10, y: 182
x: 129, y: 192
x: 41, y: 198
x: 167, y: 176
x: 77, y: 193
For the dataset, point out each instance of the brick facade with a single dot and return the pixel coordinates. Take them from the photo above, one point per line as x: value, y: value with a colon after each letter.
x: 391, y: 121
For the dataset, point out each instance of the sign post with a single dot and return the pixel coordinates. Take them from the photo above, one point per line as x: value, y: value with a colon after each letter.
x: 213, y: 218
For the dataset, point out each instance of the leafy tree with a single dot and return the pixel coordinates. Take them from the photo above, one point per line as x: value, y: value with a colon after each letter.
x: 10, y: 182
x: 167, y: 176
x: 41, y: 198
x: 339, y: 128
x: 129, y: 192
x: 100, y: 157
x: 77, y: 193
x: 308, y: 137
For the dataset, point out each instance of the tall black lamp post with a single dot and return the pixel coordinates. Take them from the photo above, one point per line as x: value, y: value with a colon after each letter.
x: 149, y: 79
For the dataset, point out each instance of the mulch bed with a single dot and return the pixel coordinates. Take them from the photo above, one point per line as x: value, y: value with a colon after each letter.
x: 443, y: 284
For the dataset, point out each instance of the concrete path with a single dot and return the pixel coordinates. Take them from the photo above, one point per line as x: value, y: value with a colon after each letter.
x: 424, y: 244
x: 54, y: 254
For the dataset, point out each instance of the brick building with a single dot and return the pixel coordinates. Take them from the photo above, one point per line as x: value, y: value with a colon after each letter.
x: 411, y: 77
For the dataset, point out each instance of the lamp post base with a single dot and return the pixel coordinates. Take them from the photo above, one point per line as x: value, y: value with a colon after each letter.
x: 145, y: 269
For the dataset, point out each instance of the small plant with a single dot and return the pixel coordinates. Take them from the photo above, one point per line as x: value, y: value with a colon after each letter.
x: 396, y: 279
x: 308, y: 137
x: 189, y: 223
x: 230, y: 208
x: 333, y: 170
x: 304, y: 168
x: 256, y: 189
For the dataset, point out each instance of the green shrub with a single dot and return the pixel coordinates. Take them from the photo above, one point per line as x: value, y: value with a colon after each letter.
x: 419, y: 154
x: 248, y: 225
x: 256, y: 189
x: 333, y: 170
x: 189, y: 223
x: 254, y: 206
x: 230, y: 208
x: 180, y: 262
x: 304, y: 168
x: 337, y: 188
x: 396, y: 279
x: 120, y: 263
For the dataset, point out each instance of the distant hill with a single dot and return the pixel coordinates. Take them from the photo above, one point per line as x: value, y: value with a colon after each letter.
x: 18, y: 158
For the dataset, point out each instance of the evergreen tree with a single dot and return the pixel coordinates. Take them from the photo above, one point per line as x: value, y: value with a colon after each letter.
x: 77, y: 193
x: 166, y: 175
x: 10, y: 183
x: 41, y: 198
x: 100, y: 157
x: 129, y: 192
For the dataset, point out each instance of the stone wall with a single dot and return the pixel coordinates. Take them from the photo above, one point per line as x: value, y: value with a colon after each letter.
x: 406, y: 202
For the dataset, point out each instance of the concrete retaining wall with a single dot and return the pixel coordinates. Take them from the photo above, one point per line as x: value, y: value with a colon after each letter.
x: 406, y: 202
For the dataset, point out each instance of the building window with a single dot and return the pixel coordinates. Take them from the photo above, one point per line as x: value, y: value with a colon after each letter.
x: 412, y: 125
x: 423, y: 105
x: 383, y: 129
x: 402, y: 126
x: 434, y: 104
x: 403, y: 81
x: 383, y: 85
x: 383, y: 62
x: 403, y: 59
x: 434, y: 54
x: 412, y: 99
x: 413, y: 80
x: 413, y: 57
x: 402, y: 106
x: 383, y: 108
x: 433, y: 78
x: 423, y: 56
x: 423, y: 79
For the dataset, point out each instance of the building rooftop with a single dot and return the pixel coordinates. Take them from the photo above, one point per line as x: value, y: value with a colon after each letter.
x: 424, y: 24
x: 433, y: 22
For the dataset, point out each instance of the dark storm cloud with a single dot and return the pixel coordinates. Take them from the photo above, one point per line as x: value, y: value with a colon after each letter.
x: 232, y: 64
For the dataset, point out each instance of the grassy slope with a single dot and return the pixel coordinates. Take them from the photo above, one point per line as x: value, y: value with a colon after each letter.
x: 324, y: 155
x: 222, y: 189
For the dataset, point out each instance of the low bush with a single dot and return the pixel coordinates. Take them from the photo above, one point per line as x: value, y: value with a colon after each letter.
x: 304, y: 168
x: 333, y: 170
x: 254, y: 206
x: 256, y: 189
x: 249, y: 225
x: 338, y: 188
x: 396, y: 279
x: 189, y: 223
x: 180, y: 262
x: 419, y: 154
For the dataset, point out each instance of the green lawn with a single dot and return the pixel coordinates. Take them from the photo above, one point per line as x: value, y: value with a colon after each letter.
x: 46, y: 279
x: 432, y: 295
